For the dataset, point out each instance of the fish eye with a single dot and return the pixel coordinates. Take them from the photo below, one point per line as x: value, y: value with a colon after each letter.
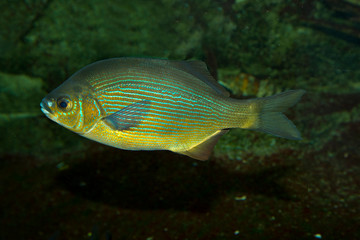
x: 64, y: 103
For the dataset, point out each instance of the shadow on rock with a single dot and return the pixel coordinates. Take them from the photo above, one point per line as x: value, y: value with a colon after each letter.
x: 164, y: 180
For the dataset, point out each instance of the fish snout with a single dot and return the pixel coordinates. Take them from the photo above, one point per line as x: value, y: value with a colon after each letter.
x: 46, y: 105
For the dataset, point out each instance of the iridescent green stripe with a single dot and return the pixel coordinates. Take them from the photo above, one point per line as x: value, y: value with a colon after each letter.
x: 174, y: 119
x: 206, y: 103
x: 196, y: 86
x: 172, y: 105
x: 150, y: 141
x: 196, y: 98
x: 152, y: 138
x: 135, y: 82
x: 169, y: 114
x: 169, y: 109
x: 145, y: 74
x: 155, y: 81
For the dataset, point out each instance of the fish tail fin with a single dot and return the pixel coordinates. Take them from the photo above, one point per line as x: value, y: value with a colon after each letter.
x: 267, y: 114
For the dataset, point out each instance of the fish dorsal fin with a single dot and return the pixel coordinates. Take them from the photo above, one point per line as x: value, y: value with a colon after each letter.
x: 199, y: 70
x: 203, y: 150
x: 194, y: 67
x: 129, y: 116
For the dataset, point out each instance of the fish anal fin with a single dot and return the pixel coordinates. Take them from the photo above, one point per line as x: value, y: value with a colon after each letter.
x: 203, y: 150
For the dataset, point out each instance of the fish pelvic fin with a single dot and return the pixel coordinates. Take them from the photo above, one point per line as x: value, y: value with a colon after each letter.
x: 203, y: 150
x: 266, y: 114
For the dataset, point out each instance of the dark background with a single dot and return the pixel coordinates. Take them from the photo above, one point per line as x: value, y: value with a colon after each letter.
x: 55, y: 184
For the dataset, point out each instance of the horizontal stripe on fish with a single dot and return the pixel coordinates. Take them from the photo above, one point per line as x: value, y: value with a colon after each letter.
x: 145, y: 138
x: 162, y: 81
x: 183, y: 120
x: 156, y: 97
x: 153, y: 90
x: 137, y: 81
x: 139, y: 91
x: 152, y: 128
x: 152, y: 118
x: 156, y: 134
x: 174, y: 107
x: 184, y: 96
x: 160, y: 127
x: 176, y: 120
x: 104, y: 82
x: 159, y: 97
x: 205, y: 101
x: 175, y: 116
x: 164, y: 105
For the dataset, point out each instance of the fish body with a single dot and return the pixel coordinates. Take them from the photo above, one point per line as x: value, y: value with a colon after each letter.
x: 155, y: 104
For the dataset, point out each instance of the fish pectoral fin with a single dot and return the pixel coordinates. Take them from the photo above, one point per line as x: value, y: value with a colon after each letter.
x: 129, y: 116
x: 203, y: 150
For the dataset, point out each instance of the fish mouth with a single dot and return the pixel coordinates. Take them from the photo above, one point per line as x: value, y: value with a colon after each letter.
x: 45, y: 107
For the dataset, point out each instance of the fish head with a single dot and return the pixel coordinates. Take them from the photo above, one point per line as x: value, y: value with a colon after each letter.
x: 72, y: 105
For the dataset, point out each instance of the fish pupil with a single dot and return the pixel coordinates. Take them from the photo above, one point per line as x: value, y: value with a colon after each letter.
x: 63, y: 104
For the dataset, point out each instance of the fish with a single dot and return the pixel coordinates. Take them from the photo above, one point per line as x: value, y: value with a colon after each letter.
x: 159, y: 104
